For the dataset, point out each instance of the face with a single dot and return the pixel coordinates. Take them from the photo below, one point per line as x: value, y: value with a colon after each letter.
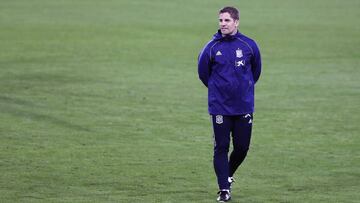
x: 227, y: 25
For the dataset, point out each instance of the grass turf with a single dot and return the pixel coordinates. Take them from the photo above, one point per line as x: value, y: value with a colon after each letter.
x: 100, y: 102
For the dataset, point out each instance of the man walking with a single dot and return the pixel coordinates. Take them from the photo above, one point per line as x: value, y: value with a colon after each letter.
x: 229, y: 66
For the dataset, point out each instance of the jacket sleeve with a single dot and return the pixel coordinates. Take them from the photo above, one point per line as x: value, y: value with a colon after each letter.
x: 256, y: 63
x: 204, y: 68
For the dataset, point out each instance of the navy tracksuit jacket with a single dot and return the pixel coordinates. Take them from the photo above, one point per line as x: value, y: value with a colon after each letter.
x: 230, y: 66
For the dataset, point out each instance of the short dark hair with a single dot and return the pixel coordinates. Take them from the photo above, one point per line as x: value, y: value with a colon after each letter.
x: 234, y: 12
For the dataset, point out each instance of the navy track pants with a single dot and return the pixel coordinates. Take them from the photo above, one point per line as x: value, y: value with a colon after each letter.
x: 239, y: 127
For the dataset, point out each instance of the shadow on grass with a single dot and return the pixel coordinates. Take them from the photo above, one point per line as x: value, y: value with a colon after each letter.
x: 7, y: 107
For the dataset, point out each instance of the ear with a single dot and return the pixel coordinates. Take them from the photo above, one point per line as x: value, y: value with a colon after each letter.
x: 237, y: 23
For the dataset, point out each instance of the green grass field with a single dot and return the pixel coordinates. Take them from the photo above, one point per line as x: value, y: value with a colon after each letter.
x: 100, y: 101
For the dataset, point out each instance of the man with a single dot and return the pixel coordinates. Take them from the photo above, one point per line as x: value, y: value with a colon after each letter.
x: 229, y: 66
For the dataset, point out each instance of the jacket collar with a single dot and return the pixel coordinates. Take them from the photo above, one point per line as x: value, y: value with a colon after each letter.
x: 218, y: 36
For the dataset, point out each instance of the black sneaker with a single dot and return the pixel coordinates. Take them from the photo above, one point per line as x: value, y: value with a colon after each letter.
x: 224, y: 196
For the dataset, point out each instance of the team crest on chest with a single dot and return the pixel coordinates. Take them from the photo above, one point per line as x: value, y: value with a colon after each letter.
x: 239, y: 53
x: 219, y: 119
